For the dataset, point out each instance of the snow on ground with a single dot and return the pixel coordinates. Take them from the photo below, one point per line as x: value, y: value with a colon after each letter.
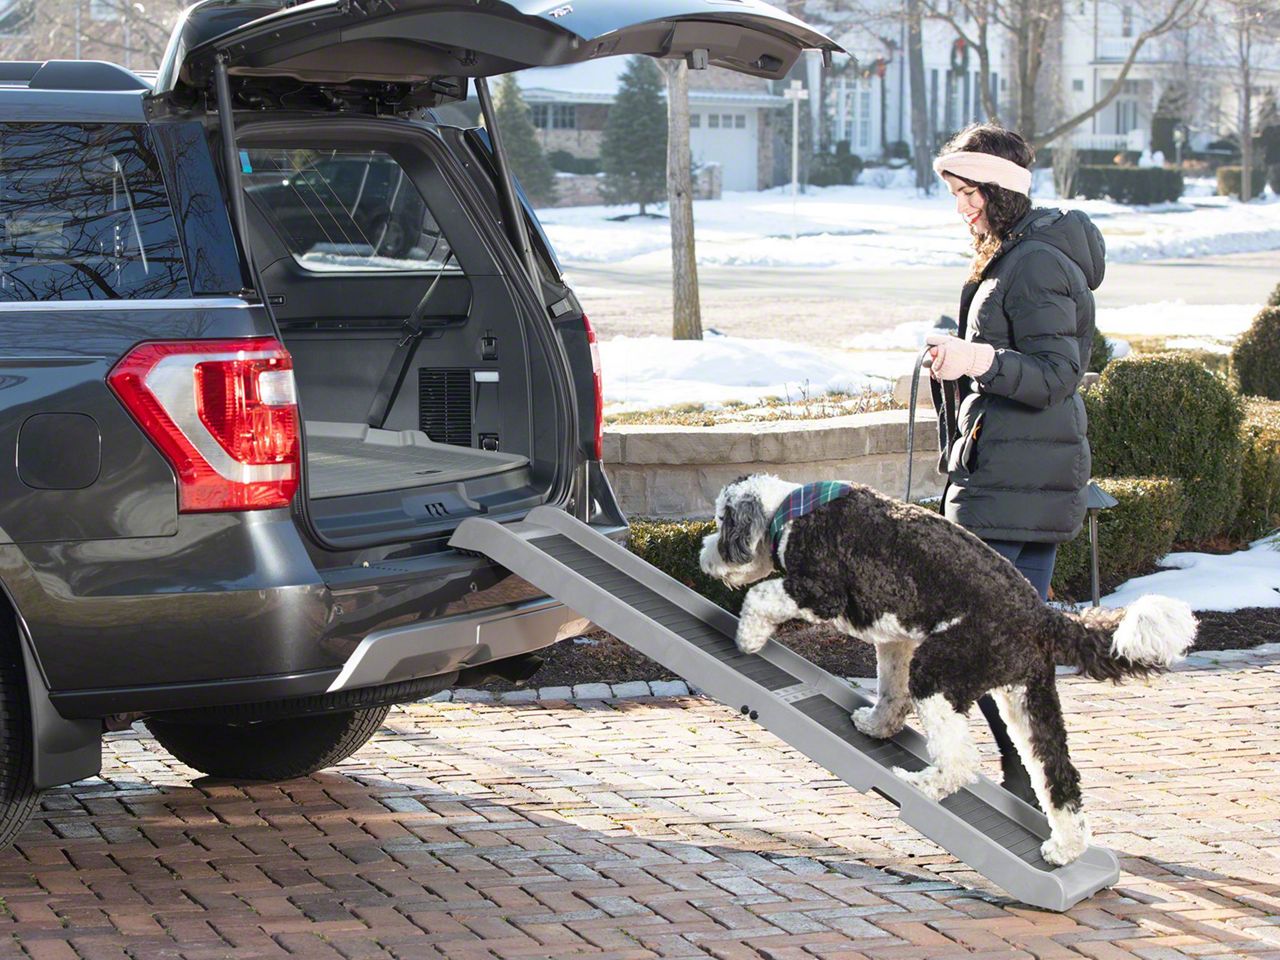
x: 1247, y: 578
x: 645, y: 372
x: 866, y: 226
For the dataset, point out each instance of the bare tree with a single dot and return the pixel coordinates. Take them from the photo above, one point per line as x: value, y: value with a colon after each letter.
x: 922, y: 141
x: 131, y: 32
x: 685, y: 306
x: 973, y: 22
x: 1249, y: 32
x: 1030, y: 22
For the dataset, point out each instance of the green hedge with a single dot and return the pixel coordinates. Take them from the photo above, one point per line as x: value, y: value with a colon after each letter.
x: 1132, y: 535
x: 1229, y: 180
x: 1165, y: 415
x: 1260, y: 494
x: 1133, y: 185
x: 1255, y: 358
x: 1100, y: 355
x: 673, y: 547
x: 832, y: 169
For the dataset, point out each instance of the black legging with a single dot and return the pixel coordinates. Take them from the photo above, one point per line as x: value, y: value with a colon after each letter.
x: 1035, y: 562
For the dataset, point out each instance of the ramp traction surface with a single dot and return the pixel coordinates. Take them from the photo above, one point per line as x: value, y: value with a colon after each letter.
x: 983, y: 825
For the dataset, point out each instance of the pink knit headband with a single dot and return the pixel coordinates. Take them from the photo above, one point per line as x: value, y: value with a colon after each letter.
x: 985, y: 168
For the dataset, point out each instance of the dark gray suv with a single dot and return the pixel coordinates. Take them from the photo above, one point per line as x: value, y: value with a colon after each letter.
x: 272, y: 329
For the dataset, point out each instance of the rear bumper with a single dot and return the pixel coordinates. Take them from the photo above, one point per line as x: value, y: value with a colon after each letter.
x: 441, y: 646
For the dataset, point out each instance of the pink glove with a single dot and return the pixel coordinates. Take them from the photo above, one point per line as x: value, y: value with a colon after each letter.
x: 954, y: 358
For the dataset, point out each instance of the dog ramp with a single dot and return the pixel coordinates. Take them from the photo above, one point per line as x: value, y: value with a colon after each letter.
x: 985, y: 826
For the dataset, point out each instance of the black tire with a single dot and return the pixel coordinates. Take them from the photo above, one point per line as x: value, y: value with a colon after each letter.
x: 18, y: 794
x: 279, y: 749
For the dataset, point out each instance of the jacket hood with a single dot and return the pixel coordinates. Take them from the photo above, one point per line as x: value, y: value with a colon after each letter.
x: 1072, y: 232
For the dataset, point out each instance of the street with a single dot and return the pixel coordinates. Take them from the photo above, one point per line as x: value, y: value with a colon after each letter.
x: 825, y: 307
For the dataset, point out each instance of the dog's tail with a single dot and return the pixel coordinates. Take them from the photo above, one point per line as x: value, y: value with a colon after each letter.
x: 1148, y: 636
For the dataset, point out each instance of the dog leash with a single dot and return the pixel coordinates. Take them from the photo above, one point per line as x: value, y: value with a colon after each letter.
x: 911, y: 417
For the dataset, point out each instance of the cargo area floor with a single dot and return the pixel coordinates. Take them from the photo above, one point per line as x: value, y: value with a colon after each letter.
x: 345, y: 459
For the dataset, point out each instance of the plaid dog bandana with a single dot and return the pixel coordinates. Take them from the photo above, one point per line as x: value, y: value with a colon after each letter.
x: 804, y: 500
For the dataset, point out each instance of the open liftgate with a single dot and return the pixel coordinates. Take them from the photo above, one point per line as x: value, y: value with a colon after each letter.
x: 983, y: 825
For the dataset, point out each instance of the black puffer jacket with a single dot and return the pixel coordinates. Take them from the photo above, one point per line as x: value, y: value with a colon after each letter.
x: 1013, y: 441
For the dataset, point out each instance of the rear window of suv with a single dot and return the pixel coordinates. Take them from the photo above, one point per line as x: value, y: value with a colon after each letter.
x: 344, y: 210
x: 84, y: 215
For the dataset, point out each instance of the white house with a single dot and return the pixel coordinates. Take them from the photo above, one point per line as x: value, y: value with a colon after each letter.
x: 731, y: 116
x: 870, y: 104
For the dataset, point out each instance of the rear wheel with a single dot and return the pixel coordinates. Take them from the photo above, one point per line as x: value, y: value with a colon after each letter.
x: 18, y: 794
x: 279, y: 749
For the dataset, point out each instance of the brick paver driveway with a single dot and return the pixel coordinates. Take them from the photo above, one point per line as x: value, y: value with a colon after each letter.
x: 649, y: 828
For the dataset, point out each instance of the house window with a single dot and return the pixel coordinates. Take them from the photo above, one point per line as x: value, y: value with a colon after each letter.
x: 1081, y: 9
x: 1077, y: 85
x: 713, y: 120
x: 739, y: 121
x: 1126, y: 115
x: 105, y: 9
x: 856, y: 124
x: 1126, y: 21
x: 726, y: 120
x: 695, y: 120
x: 554, y: 116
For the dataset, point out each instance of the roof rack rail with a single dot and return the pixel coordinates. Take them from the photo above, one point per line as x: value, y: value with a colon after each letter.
x: 70, y: 75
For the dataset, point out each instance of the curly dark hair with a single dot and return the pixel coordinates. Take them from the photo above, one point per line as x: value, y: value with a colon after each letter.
x: 1004, y: 208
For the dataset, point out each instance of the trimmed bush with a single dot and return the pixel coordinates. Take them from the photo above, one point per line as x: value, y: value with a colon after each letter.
x: 834, y: 169
x: 566, y: 162
x: 1100, y: 355
x: 673, y: 547
x: 1229, y: 180
x: 1274, y: 299
x: 1132, y: 535
x: 1255, y: 358
x: 1131, y: 185
x: 1260, y: 489
x: 1165, y: 415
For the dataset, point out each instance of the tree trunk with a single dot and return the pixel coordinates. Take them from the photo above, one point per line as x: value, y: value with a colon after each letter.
x: 921, y: 135
x: 686, y: 310
x: 1246, y: 105
x: 989, y: 105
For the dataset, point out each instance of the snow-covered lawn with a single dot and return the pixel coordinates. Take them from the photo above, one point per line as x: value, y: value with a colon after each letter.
x: 864, y: 226
x: 646, y: 372
x: 1247, y: 578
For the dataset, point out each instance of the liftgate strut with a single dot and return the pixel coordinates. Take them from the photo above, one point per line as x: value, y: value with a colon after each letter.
x: 983, y: 825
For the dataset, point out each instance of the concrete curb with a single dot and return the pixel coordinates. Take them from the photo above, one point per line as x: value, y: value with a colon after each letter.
x: 632, y: 689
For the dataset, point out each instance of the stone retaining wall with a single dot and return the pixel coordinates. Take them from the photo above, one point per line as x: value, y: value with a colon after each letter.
x: 664, y: 471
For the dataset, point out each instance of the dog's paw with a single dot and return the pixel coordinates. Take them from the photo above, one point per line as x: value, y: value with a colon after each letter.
x: 751, y: 642
x: 928, y: 781
x: 1061, y: 850
x: 874, y: 724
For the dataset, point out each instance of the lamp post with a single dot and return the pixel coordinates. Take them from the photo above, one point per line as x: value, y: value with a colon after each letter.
x: 1097, y: 501
x: 795, y: 93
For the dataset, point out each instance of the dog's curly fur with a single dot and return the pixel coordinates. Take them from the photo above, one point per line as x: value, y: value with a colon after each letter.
x: 951, y: 620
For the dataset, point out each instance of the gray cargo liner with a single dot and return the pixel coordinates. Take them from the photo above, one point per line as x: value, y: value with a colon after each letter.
x: 983, y: 825
x: 345, y: 459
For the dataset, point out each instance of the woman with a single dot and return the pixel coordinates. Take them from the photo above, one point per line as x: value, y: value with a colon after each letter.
x: 1011, y: 422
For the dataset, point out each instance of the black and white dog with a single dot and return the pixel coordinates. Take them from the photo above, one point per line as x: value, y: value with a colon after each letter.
x: 950, y: 619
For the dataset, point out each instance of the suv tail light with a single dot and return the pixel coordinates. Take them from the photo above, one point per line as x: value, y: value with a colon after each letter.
x: 224, y: 414
x: 598, y: 440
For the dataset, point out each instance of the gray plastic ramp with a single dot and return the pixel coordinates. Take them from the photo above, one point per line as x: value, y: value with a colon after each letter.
x: 983, y: 825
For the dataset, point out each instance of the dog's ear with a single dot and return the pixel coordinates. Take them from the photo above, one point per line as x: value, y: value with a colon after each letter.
x: 741, y: 528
